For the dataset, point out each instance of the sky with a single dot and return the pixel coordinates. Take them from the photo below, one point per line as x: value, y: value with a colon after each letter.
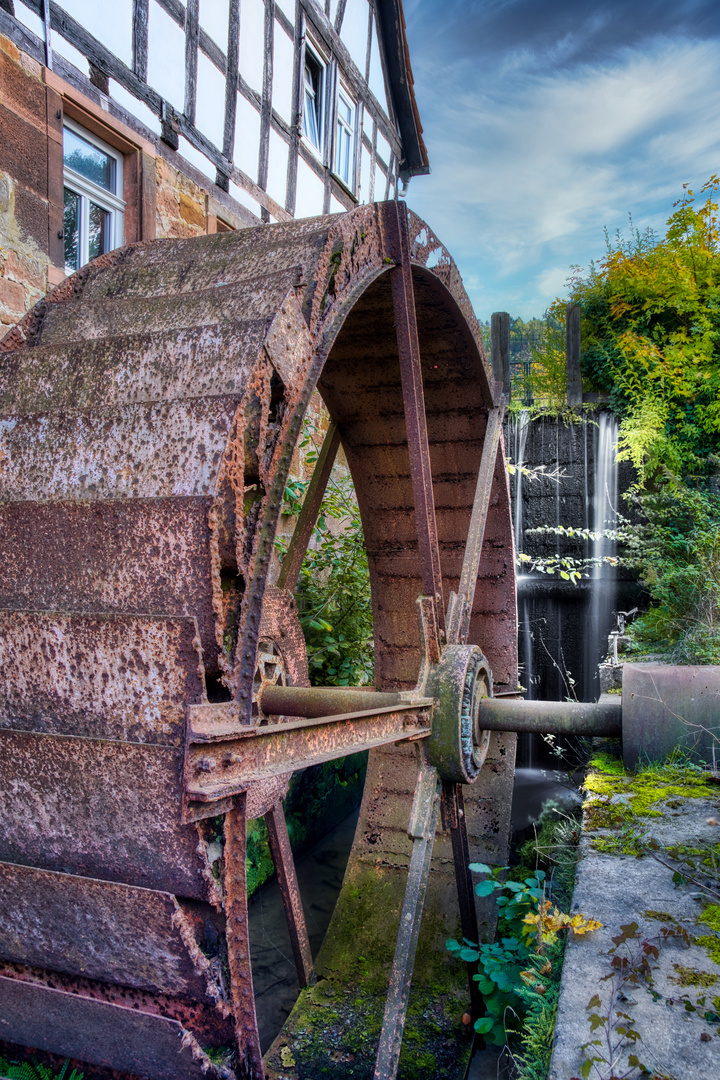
x: 546, y: 123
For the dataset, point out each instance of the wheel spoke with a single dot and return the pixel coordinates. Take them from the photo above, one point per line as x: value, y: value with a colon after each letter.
x: 454, y: 820
x: 282, y: 857
x: 292, y: 563
x: 414, y: 407
x: 423, y: 822
x: 461, y: 603
x: 238, y: 942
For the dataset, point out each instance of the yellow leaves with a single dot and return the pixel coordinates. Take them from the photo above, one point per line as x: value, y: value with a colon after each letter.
x: 548, y: 921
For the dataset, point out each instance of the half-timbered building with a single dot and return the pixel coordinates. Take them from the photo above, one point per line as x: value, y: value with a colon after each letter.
x: 141, y: 119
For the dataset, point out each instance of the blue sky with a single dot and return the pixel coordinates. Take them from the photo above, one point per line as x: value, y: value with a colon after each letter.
x: 546, y: 122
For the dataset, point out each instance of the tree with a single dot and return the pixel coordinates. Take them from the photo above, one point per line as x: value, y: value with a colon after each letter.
x: 651, y: 339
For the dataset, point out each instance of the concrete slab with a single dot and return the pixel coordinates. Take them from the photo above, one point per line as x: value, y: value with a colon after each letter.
x: 675, y: 1042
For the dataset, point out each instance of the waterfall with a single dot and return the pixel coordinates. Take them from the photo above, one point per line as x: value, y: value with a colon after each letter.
x: 603, y: 577
x: 520, y: 429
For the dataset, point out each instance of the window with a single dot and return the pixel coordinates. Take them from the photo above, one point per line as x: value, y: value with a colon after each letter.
x: 313, y: 111
x: 93, y: 206
x: 345, y: 139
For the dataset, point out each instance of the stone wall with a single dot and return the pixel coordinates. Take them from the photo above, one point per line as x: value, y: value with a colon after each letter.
x: 165, y: 195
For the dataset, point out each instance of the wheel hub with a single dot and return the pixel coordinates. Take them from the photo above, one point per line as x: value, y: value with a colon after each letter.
x: 458, y: 683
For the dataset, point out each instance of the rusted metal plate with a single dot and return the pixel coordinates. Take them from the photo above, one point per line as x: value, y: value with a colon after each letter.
x: 105, y: 809
x: 89, y: 320
x: 128, y: 677
x: 215, y: 770
x: 143, y: 555
x: 103, y: 1034
x: 208, y: 361
x: 136, y: 452
x: 175, y: 266
x: 101, y: 930
x: 238, y: 942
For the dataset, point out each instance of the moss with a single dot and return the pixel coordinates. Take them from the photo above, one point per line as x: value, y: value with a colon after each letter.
x: 602, y: 816
x: 694, y: 977
x: 711, y: 917
x: 660, y: 916
x: 648, y: 793
x: 712, y: 944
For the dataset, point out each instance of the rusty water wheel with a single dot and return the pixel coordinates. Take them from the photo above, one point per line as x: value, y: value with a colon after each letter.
x: 150, y: 409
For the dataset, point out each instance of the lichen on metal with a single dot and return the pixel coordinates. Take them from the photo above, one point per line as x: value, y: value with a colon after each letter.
x: 149, y: 410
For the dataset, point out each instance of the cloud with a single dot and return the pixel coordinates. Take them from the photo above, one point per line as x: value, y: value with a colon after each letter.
x: 529, y: 165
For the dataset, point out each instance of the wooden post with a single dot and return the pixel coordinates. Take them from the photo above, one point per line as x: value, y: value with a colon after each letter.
x: 500, y: 349
x: 572, y: 354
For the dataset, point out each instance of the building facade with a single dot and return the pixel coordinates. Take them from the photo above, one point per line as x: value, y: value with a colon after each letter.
x: 141, y: 119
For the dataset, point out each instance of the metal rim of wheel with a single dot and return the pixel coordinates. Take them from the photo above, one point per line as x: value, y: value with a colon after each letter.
x: 156, y: 399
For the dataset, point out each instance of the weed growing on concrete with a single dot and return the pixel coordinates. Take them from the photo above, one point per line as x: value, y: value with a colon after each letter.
x: 632, y: 964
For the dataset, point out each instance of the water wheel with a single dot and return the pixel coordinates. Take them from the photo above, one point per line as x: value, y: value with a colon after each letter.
x: 154, y: 690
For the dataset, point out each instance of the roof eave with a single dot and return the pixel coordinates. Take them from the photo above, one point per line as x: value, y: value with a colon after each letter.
x: 391, y: 20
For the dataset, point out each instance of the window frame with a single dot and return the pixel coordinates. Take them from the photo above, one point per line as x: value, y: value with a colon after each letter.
x: 112, y: 202
x: 321, y: 96
x: 351, y: 184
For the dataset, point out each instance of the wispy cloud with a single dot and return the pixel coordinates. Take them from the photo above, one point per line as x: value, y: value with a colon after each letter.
x: 531, y: 159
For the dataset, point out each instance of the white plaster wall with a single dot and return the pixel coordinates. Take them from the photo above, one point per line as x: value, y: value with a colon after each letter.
x: 166, y: 57
x: 196, y: 158
x: 382, y: 148
x: 282, y: 74
x: 380, y: 182
x: 210, y: 101
x: 288, y: 9
x: 214, y: 19
x: 277, y: 168
x: 376, y: 81
x: 247, y: 137
x: 69, y: 52
x: 310, y: 191
x: 110, y: 23
x: 365, y: 176
x: 354, y: 31
x: 136, y: 108
x: 245, y: 199
x: 252, y: 42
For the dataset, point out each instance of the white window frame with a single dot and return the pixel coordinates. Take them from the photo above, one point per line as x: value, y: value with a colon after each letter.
x: 87, y: 190
x: 351, y: 183
x: 311, y: 48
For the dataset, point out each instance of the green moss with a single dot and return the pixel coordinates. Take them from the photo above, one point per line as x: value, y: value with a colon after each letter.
x: 648, y: 793
x: 660, y: 916
x: 694, y: 977
x: 712, y: 944
x: 711, y: 917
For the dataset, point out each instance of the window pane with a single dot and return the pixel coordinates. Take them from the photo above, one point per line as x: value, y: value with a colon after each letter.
x: 312, y: 102
x: 88, y: 160
x: 71, y: 231
x: 344, y: 154
x: 99, y: 234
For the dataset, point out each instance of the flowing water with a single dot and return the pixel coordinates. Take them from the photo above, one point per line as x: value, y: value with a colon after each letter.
x: 604, y: 586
